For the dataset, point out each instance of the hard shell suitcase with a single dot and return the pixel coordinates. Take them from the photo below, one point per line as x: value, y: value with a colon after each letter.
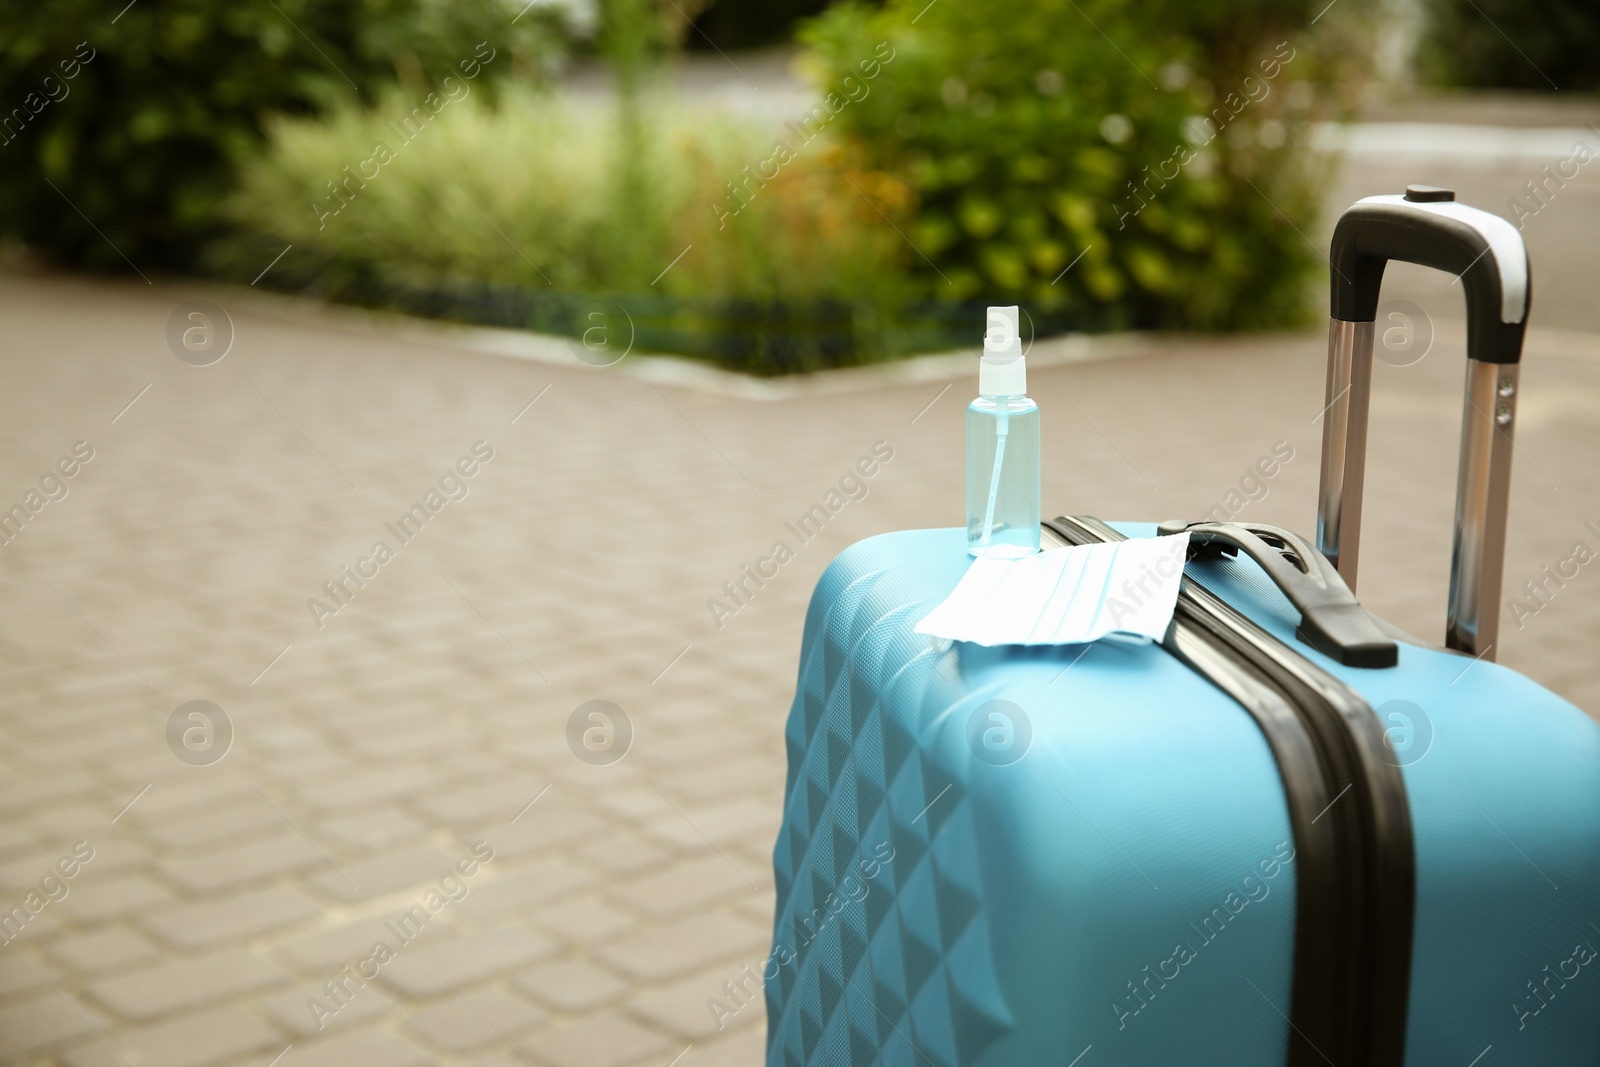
x: 1288, y: 834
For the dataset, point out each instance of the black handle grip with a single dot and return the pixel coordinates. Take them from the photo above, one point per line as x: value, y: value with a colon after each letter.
x: 1332, y: 620
x: 1426, y: 226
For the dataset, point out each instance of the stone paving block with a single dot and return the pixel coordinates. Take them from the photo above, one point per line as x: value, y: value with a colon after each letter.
x: 428, y: 970
x: 290, y: 1009
x: 195, y: 1040
x: 608, y: 1040
x: 554, y: 821
x: 16, y: 840
x: 19, y: 875
x: 695, y: 884
x: 415, y: 869
x: 694, y: 785
x: 196, y: 925
x: 187, y: 983
x: 129, y: 895
x: 585, y: 921
x: 430, y: 739
x: 623, y: 854
x: 23, y: 970
x: 691, y: 751
x: 578, y: 779
x: 85, y: 820
x: 631, y: 802
x: 706, y: 1003
x: 745, y: 1047
x: 116, y: 852
x: 283, y: 736
x: 332, y: 948
x: 38, y: 1022
x: 671, y: 829
x: 96, y: 744
x: 524, y: 887
x: 203, y: 792
x: 762, y: 908
x: 309, y: 765
x: 28, y: 931
x: 752, y: 854
x: 352, y: 791
x: 226, y: 827
x: 500, y: 1059
x: 745, y: 820
x: 472, y: 1020
x: 571, y: 986
x: 36, y: 794
x: 478, y: 804
x: 373, y: 829
x: 262, y: 860
x: 90, y: 1050
x: 103, y: 951
x: 662, y: 950
x: 359, y: 1048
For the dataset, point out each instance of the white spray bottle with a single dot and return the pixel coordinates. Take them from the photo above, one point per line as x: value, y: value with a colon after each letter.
x: 1002, y: 447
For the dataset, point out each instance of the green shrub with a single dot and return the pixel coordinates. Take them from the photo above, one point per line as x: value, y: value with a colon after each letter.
x: 127, y: 158
x: 516, y: 194
x: 1041, y: 135
x: 1496, y: 44
x: 511, y: 213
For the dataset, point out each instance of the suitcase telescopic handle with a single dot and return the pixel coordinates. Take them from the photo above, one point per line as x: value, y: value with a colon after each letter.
x: 1426, y: 226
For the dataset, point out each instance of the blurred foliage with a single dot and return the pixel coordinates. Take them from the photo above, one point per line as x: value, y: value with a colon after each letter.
x: 131, y: 156
x: 1109, y: 165
x: 633, y: 34
x: 1034, y: 136
x: 1506, y: 44
x: 730, y: 24
x: 519, y: 199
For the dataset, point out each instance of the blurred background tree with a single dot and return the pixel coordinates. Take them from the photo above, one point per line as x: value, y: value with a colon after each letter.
x: 729, y: 24
x: 1038, y: 135
x: 141, y: 153
x: 1506, y: 44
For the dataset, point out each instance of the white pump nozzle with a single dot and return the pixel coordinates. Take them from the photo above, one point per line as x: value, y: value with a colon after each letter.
x: 1002, y: 370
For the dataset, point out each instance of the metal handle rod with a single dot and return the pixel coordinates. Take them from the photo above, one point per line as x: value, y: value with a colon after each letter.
x: 1483, y: 487
x: 1344, y: 445
x: 1483, y: 491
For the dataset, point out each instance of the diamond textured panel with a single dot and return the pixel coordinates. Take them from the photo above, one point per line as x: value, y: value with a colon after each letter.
x: 880, y: 902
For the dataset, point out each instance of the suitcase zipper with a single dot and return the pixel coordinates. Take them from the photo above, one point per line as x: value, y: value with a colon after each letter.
x: 1355, y: 885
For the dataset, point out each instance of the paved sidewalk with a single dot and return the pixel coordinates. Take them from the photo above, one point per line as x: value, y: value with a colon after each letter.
x: 431, y: 710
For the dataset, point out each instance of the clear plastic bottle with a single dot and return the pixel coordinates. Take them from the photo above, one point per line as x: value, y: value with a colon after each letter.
x: 1003, y: 507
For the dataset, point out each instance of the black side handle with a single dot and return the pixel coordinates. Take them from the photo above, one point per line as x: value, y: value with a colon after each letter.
x: 1332, y: 620
x: 1426, y: 226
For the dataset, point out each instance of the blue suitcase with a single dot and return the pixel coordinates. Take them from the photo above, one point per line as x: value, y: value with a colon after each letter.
x: 1287, y: 834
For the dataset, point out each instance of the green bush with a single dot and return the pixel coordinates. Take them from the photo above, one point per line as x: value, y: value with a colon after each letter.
x: 515, y: 194
x: 511, y: 214
x: 120, y: 131
x: 1495, y: 44
x: 1041, y: 135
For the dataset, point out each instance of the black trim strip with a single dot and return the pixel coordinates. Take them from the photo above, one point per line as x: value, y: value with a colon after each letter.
x: 1350, y: 818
